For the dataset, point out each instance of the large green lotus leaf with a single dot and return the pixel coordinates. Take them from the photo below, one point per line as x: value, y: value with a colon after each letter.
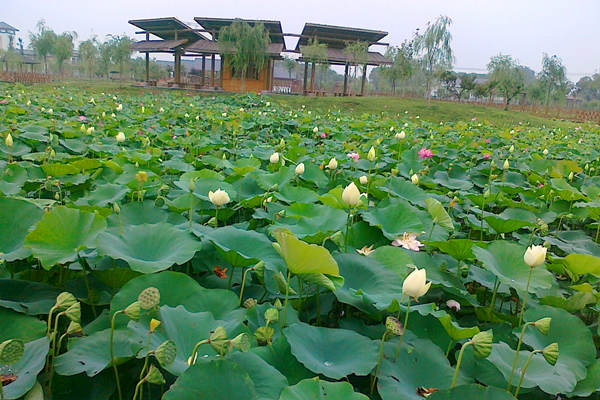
x: 472, y: 392
x: 14, y: 325
x: 582, y: 264
x: 368, y: 284
x: 62, y: 233
x: 510, y: 220
x: 81, y: 386
x: 186, y: 329
x: 335, y: 353
x: 104, y: 194
x: 575, y: 242
x: 279, y: 178
x: 566, y: 191
x: 304, y: 258
x: 311, y: 222
x: 392, y: 258
x: 394, y: 217
x: 574, y: 339
x: 268, y: 381
x: 461, y: 249
x: 27, y: 368
x: 505, y: 260
x: 291, y: 194
x: 214, y: 380
x: 17, y: 216
x: 27, y: 297
x: 177, y: 289
x: 279, y: 355
x: 420, y: 364
x: 456, y: 180
x: 58, y: 169
x: 12, y: 179
x: 453, y: 329
x: 590, y: 384
x: 316, y: 389
x: 406, y: 190
x: 148, y: 248
x: 241, y: 247
x: 138, y: 213
x: 91, y: 354
x: 575, y: 303
x: 438, y: 213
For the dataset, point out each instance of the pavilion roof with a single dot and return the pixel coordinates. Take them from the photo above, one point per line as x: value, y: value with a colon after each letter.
x: 339, y: 57
x: 159, y: 46
x: 212, y: 47
x: 215, y: 24
x: 336, y: 37
x: 167, y: 28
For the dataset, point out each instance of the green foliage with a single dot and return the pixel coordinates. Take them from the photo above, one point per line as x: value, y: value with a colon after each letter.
x: 507, y: 76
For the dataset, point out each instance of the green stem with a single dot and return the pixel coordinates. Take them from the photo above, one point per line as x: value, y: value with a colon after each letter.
x: 496, y: 286
x: 191, y: 213
x: 449, y: 347
x: 244, y: 283
x: 193, y: 357
x: 113, y: 361
x: 50, y: 320
x: 285, y: 304
x: 514, y: 364
x: 374, y: 377
x: 137, y: 388
x: 525, y: 297
x: 230, y: 279
x: 1, y: 393
x: 347, y: 231
x: 318, y: 298
x: 458, y: 361
x: 52, y: 351
x: 403, y: 331
x: 431, y: 231
x: 217, y: 218
x: 523, y: 372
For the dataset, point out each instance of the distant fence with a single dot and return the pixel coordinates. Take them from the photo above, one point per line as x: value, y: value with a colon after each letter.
x: 25, y: 77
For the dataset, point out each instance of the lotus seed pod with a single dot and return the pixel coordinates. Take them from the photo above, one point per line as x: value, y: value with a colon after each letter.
x: 550, y: 353
x: 393, y: 326
x: 218, y: 340
x: 154, y: 323
x: 74, y: 328
x: 133, y: 311
x: 543, y: 325
x: 482, y: 343
x: 241, y: 342
x: 249, y: 303
x: 74, y: 312
x: 277, y: 304
x: 166, y: 353
x: 149, y: 298
x: 272, y: 315
x: 264, y: 334
x: 116, y: 208
x: 11, y: 351
x: 65, y: 300
x: 154, y: 376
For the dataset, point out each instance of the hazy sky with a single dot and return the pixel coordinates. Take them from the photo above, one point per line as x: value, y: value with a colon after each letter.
x: 481, y: 28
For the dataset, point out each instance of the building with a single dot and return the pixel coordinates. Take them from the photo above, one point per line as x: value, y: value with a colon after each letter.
x: 7, y: 36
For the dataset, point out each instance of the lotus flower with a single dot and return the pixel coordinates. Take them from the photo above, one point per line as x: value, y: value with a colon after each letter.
x: 425, y: 153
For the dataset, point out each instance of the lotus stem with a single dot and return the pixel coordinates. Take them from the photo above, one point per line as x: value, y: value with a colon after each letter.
x: 244, y: 283
x: 113, y: 361
x: 496, y: 286
x: 403, y: 330
x: 195, y: 350
x: 285, y: 304
x: 524, y: 370
x: 137, y: 388
x: 348, y: 220
x: 374, y: 377
x: 514, y: 364
x: 458, y: 361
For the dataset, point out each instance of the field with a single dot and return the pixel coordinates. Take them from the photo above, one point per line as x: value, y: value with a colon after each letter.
x: 176, y: 246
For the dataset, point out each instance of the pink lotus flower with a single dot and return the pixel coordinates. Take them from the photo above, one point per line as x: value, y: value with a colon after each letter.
x: 3, y: 101
x: 353, y: 156
x: 488, y: 140
x: 408, y: 241
x: 81, y: 118
x: 486, y: 156
x: 425, y: 153
x: 323, y: 135
x: 473, y: 119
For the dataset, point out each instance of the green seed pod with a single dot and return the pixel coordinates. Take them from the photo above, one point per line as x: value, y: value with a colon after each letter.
x: 11, y: 351
x: 482, y: 343
x: 278, y: 304
x: 550, y: 353
x: 74, y: 329
x: 154, y: 376
x: 133, y: 311
x: 393, y: 326
x: 272, y: 315
x: 74, y: 312
x: 218, y: 340
x: 543, y: 325
x: 241, y: 342
x: 166, y: 353
x: 264, y: 334
x: 65, y: 300
x: 249, y: 303
x: 149, y: 298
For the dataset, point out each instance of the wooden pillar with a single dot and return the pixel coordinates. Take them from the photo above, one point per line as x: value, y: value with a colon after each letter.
x: 312, y: 77
x: 305, y: 77
x: 203, y: 69
x: 364, y: 78
x: 212, y: 70
x: 147, y: 61
x: 346, y: 80
x: 221, y: 72
x: 177, y: 67
x: 270, y: 75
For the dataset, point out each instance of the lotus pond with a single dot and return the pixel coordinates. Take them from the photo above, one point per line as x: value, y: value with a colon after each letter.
x: 175, y: 246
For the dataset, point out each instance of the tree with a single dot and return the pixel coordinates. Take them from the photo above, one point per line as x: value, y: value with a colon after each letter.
x: 449, y: 80
x: 88, y: 52
x: 43, y: 41
x: 434, y: 48
x: 467, y: 84
x: 290, y: 65
x: 120, y: 52
x: 553, y: 78
x: 507, y: 76
x: 314, y: 53
x: 245, y: 47
x: 63, y: 48
x: 402, y: 63
x: 588, y: 87
x: 106, y: 50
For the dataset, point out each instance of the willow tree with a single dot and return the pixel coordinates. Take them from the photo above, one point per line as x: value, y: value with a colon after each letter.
x: 315, y: 53
x: 63, y: 48
x: 244, y: 47
x: 357, y: 53
x: 508, y: 77
x: 402, y: 63
x: 43, y: 42
x: 88, y: 52
x: 433, y: 46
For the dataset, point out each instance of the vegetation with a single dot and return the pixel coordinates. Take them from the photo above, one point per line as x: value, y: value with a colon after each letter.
x: 508, y: 78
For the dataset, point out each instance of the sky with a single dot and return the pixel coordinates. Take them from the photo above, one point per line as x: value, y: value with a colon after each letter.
x: 481, y: 28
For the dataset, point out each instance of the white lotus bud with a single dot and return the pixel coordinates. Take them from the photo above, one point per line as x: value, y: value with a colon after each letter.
x: 415, y: 284
x: 315, y: 129
x: 415, y: 179
x: 535, y: 256
x: 351, y: 195
x: 506, y: 164
x: 371, y: 154
x: 299, y: 169
x: 363, y: 180
x: 120, y: 137
x: 120, y: 107
x: 274, y: 159
x: 545, y: 152
x: 333, y: 164
x: 400, y: 135
x: 218, y: 197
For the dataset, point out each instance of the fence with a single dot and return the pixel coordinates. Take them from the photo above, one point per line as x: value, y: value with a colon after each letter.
x: 25, y: 77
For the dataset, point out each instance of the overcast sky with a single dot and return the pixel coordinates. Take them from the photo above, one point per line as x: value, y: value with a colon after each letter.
x: 481, y: 28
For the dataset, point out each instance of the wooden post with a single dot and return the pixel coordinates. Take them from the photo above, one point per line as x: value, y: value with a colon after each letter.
x: 212, y: 70
x: 177, y: 67
x: 364, y: 78
x: 346, y: 80
x: 221, y: 72
x: 147, y: 61
x: 203, y: 69
x: 312, y: 77
x: 305, y: 77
